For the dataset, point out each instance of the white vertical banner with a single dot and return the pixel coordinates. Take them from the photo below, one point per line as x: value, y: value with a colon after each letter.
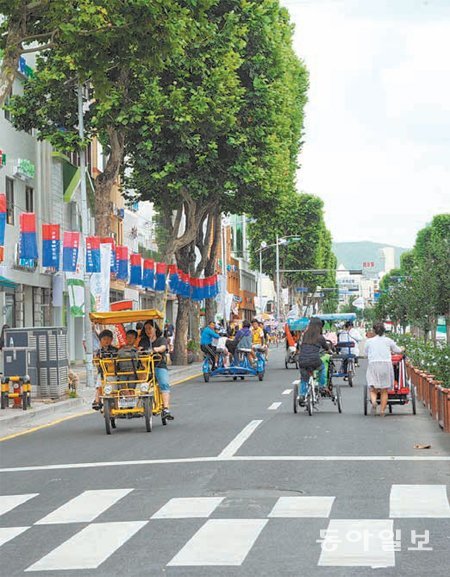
x: 75, y: 287
x: 101, y: 281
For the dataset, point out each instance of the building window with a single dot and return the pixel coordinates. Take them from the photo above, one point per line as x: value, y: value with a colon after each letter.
x: 9, y: 200
x: 29, y: 200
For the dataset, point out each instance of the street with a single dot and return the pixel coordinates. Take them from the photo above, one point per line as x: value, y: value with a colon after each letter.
x: 237, y: 485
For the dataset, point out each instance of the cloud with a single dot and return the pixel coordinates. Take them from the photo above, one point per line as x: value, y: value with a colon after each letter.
x: 377, y: 135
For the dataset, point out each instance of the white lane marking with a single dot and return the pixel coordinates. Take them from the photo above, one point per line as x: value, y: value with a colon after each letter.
x: 358, y: 543
x: 249, y: 458
x: 84, y: 508
x: 188, y: 508
x: 8, y: 533
x: 423, y: 501
x: 287, y: 392
x: 274, y: 406
x: 220, y: 542
x: 233, y: 447
x: 89, y: 547
x: 9, y: 502
x: 302, y: 507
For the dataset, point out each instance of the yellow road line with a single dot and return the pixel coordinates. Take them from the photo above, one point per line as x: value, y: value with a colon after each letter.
x: 75, y: 416
x: 39, y: 427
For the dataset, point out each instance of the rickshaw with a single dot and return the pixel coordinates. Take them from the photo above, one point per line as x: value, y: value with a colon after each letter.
x: 402, y: 393
x: 293, y: 329
x: 239, y: 366
x: 128, y: 393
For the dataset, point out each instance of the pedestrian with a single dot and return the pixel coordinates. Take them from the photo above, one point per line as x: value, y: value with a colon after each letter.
x: 380, y: 372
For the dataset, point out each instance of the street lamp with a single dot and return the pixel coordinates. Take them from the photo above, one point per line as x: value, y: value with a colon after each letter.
x: 262, y: 247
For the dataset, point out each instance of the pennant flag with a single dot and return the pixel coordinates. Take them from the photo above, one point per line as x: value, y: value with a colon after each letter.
x: 28, y: 239
x: 196, y: 289
x: 93, y: 261
x: 202, y: 288
x: 51, y: 245
x: 148, y: 277
x: 173, y: 278
x: 111, y: 241
x: 2, y: 253
x: 215, y: 286
x: 122, y: 262
x: 185, y: 287
x: 160, y: 281
x: 135, y: 269
x: 2, y: 218
x: 209, y: 287
x: 71, y: 245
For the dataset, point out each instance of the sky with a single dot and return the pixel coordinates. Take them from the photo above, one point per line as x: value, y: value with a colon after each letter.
x: 377, y: 129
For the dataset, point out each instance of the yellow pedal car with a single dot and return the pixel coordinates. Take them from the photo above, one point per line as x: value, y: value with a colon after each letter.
x: 128, y: 384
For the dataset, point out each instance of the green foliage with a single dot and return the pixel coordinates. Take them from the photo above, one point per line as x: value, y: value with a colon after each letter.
x: 222, y: 123
x: 299, y: 216
x: 419, y: 291
x: 429, y: 357
x: 112, y: 45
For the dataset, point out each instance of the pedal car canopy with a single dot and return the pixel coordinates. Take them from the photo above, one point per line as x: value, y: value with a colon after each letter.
x: 119, y: 317
x: 337, y: 317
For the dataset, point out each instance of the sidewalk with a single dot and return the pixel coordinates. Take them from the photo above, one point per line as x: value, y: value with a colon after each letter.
x: 44, y: 411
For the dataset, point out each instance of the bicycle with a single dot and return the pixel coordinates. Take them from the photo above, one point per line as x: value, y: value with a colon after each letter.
x: 312, y: 393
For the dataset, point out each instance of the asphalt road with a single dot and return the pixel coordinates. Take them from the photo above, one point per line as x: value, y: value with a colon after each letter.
x: 237, y: 486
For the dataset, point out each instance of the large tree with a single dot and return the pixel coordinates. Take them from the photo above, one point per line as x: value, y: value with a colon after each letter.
x: 113, y: 47
x: 299, y: 216
x: 222, y: 126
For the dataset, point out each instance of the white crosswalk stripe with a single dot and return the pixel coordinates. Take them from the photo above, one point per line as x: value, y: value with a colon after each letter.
x: 220, y: 542
x: 358, y: 543
x: 287, y: 392
x: 8, y: 533
x: 422, y: 501
x: 85, y: 508
x: 188, y: 508
x: 302, y: 507
x: 88, y: 548
x: 9, y: 502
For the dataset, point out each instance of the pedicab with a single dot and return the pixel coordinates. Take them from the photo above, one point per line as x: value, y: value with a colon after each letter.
x: 293, y: 330
x: 237, y: 365
x: 128, y: 386
x: 402, y: 393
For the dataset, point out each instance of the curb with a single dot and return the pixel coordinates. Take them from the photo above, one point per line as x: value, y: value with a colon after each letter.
x: 27, y: 417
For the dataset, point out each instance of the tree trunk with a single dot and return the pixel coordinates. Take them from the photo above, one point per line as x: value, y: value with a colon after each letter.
x: 10, y: 61
x: 105, y: 182
x: 195, y: 322
x: 181, y: 331
x: 210, y: 268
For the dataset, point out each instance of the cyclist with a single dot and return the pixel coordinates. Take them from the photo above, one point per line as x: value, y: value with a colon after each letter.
x: 206, y: 339
x: 153, y: 341
x: 349, y: 335
x: 311, y: 349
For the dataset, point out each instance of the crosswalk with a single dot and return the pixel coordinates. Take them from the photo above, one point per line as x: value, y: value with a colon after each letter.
x: 215, y: 539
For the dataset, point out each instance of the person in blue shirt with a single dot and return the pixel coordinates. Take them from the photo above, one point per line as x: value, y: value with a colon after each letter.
x: 206, y: 340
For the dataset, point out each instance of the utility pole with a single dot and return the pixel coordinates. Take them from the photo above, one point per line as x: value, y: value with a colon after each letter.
x: 260, y: 281
x: 277, y: 265
x: 85, y: 229
x: 224, y: 272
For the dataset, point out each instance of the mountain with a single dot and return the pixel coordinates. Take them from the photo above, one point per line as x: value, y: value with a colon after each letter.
x: 353, y: 254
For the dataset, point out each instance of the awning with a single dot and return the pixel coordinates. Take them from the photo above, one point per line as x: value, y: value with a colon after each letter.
x: 4, y: 282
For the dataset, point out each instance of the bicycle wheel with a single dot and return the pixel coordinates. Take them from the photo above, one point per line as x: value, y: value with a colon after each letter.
x: 338, y: 398
x: 295, y: 398
x: 107, y: 415
x: 366, y: 399
x: 148, y: 414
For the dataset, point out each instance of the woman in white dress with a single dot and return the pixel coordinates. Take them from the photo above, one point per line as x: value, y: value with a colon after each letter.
x: 380, y: 372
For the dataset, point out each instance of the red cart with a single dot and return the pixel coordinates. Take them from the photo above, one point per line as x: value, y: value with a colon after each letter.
x: 402, y: 393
